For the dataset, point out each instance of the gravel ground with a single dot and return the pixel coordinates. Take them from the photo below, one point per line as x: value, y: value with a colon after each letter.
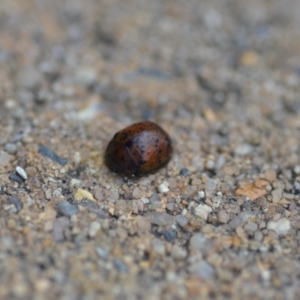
x: 221, y: 221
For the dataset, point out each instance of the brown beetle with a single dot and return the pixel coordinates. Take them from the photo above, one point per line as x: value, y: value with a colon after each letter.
x: 138, y: 149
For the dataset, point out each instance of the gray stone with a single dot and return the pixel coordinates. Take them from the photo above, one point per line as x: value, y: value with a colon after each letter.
x: 223, y: 217
x: 258, y: 236
x: 67, y: 209
x: 277, y: 195
x: 235, y: 222
x: 251, y: 227
x: 59, y: 226
x: 197, y: 241
x: 160, y: 219
x: 203, y: 210
x: 281, y: 227
x: 16, y: 202
x: 202, y: 269
x: 182, y: 220
x: 11, y: 148
x: 242, y: 218
x: 4, y: 158
x: 210, y: 187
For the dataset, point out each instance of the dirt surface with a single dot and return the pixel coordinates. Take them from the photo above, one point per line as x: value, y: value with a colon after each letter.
x: 221, y: 221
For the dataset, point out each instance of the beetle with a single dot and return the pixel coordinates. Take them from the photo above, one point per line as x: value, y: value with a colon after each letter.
x: 138, y: 149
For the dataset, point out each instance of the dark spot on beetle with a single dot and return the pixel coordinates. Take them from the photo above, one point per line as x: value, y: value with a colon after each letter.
x: 142, y: 162
x: 128, y: 144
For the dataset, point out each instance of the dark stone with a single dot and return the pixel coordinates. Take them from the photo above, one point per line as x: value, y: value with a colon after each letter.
x: 15, y: 177
x: 67, y: 209
x: 184, y: 172
x: 170, y: 235
x: 16, y: 202
x: 47, y: 152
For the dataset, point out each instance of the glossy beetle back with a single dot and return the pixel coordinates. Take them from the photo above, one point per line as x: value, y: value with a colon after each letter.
x: 139, y: 149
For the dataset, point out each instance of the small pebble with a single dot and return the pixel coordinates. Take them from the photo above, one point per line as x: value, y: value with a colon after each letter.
x: 210, y: 187
x: 145, y: 200
x: 160, y: 219
x: 252, y: 227
x: 235, y: 222
x: 197, y: 241
x: 21, y: 172
x: 258, y: 236
x: 210, y: 165
x: 201, y: 195
x: 11, y: 148
x: 271, y: 175
x: 178, y: 252
x: 58, y: 228
x: 202, y: 269
x: 170, y: 235
x: 184, y: 172
x: 83, y: 194
x: 95, y: 226
x: 158, y: 247
x: 15, y: 177
x: 203, y: 210
x: 137, y: 193
x: 170, y: 207
x: 16, y: 202
x: 182, y: 220
x: 277, y: 195
x: 75, y: 182
x: 66, y: 208
x: 243, y: 149
x: 281, y: 227
x: 223, y: 217
x: 164, y: 187
x: 5, y: 158
x: 143, y: 223
x: 297, y: 169
x: 47, y: 152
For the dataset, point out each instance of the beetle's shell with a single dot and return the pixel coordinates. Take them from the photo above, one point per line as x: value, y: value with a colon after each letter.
x: 138, y: 149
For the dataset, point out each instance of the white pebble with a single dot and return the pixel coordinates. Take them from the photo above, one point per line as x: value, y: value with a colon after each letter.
x: 243, y: 149
x: 94, y: 228
x: 297, y: 169
x: 164, y: 187
x: 281, y: 227
x: 145, y: 200
x: 202, y: 210
x: 21, y: 172
x: 74, y: 182
x: 201, y: 194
